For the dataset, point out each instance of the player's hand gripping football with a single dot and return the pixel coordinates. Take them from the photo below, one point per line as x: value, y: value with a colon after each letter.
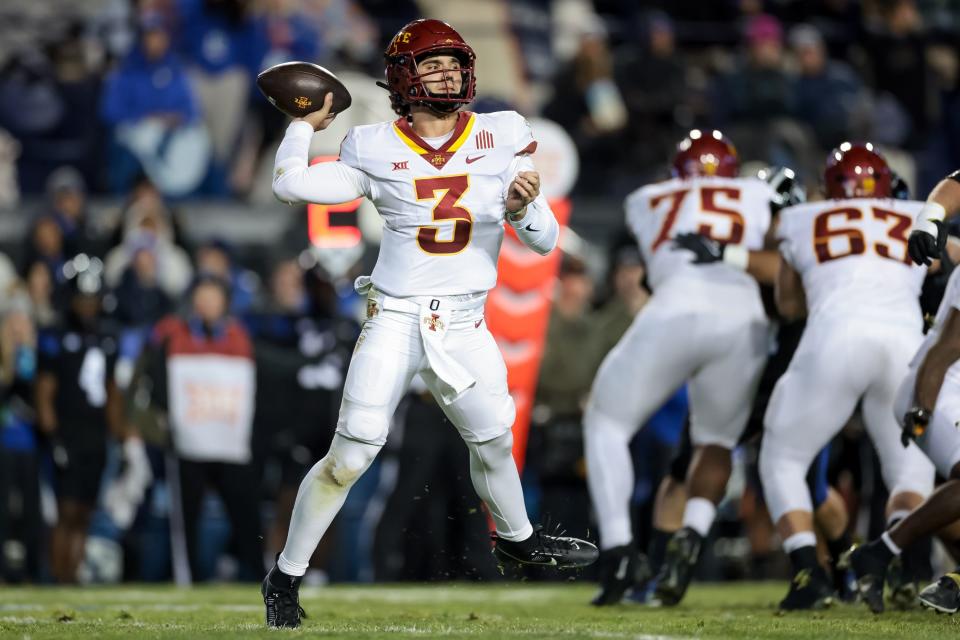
x: 321, y: 118
x: 924, y: 247
x: 914, y: 424
x: 523, y: 190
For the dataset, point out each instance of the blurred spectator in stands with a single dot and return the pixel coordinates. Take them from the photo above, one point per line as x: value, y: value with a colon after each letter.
x: 302, y: 350
x: 653, y: 82
x: 895, y: 62
x: 21, y: 527
x: 588, y: 104
x: 148, y: 224
x: 155, y: 116
x: 758, y: 89
x: 281, y: 33
x: 216, y: 256
x: 829, y: 95
x: 203, y: 376
x: 140, y: 299
x: 10, y: 149
x: 41, y: 287
x: 628, y: 296
x: 217, y: 39
x: 570, y: 360
x: 67, y: 194
x: 77, y: 406
x: 46, y: 246
x: 8, y: 275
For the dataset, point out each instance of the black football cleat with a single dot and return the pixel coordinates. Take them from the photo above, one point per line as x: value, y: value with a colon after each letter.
x: 679, y: 564
x: 282, y: 600
x: 869, y: 566
x: 902, y: 590
x: 809, y: 589
x: 617, y: 568
x: 544, y: 550
x: 943, y: 596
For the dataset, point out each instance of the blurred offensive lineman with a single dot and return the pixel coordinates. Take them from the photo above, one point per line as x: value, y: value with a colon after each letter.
x: 704, y: 324
x: 444, y: 181
x: 845, y: 264
x: 929, y: 403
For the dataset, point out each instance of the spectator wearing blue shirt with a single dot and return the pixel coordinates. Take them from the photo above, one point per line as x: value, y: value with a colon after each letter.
x: 150, y: 103
x: 217, y: 40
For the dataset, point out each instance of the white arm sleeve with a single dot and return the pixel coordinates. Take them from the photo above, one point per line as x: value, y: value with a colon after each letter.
x: 323, y: 183
x: 538, y: 229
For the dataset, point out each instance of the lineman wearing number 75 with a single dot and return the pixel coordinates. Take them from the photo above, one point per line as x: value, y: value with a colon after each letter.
x: 445, y: 182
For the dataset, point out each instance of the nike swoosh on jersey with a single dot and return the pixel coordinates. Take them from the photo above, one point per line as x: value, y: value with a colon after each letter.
x: 472, y: 160
x: 530, y: 228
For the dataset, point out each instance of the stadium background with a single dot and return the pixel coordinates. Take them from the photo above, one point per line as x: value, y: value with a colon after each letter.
x: 162, y: 169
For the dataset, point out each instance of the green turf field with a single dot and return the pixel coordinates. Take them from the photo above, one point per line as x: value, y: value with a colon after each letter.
x: 737, y: 610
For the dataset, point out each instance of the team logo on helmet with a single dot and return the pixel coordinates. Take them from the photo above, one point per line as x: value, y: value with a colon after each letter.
x: 857, y: 170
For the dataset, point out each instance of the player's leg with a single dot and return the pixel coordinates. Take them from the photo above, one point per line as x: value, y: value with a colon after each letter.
x: 656, y: 355
x: 721, y: 395
x: 810, y: 404
x: 387, y: 355
x: 484, y: 415
x: 908, y: 474
x: 905, y: 470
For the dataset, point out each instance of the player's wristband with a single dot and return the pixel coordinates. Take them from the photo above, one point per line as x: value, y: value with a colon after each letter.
x: 737, y: 256
x: 516, y: 216
x: 930, y: 214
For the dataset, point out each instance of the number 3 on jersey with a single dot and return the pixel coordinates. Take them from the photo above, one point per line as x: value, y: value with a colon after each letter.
x: 452, y: 189
x: 708, y: 205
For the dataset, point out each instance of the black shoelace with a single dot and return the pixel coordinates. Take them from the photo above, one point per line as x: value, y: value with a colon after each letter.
x: 287, y: 605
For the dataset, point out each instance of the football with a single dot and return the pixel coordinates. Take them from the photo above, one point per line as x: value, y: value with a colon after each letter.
x: 298, y: 88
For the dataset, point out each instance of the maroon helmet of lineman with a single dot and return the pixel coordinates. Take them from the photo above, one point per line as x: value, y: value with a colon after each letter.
x: 857, y: 170
x: 705, y: 153
x: 414, y: 42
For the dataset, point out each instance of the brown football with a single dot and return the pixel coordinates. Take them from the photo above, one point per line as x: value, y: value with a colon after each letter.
x: 298, y: 88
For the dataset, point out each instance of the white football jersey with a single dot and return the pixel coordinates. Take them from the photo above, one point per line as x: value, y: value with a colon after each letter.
x: 950, y: 301
x: 443, y: 209
x: 852, y: 256
x: 731, y: 210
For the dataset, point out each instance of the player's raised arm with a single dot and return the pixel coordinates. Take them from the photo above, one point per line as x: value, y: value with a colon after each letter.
x: 295, y: 180
x: 928, y: 238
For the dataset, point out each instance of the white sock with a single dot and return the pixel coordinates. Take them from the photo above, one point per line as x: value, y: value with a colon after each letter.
x: 495, y: 479
x: 699, y: 514
x: 887, y: 540
x: 606, y: 446
x: 321, y: 494
x: 799, y: 540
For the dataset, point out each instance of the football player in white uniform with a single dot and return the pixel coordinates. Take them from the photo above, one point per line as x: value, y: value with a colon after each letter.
x: 705, y: 324
x: 445, y: 181
x: 845, y: 265
x: 928, y: 404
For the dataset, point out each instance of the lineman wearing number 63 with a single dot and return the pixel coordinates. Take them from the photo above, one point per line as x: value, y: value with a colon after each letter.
x: 445, y: 181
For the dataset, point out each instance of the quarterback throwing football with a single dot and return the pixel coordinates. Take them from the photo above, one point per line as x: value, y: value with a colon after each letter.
x: 444, y: 181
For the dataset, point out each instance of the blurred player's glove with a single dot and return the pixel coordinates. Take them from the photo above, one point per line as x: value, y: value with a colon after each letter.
x: 125, y: 492
x: 914, y: 425
x: 708, y: 251
x: 929, y: 237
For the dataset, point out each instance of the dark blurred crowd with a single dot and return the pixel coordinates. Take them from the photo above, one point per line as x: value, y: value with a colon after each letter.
x: 161, y: 395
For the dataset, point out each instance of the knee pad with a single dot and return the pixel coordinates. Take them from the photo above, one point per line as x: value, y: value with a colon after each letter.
x: 493, y: 452
x: 784, y: 484
x: 368, y: 424
x: 346, y: 461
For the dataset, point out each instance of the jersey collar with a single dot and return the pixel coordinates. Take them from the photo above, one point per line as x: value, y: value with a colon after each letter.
x: 437, y: 158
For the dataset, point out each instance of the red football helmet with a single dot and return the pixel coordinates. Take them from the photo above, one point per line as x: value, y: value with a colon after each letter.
x: 413, y: 42
x: 857, y: 171
x: 705, y: 153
